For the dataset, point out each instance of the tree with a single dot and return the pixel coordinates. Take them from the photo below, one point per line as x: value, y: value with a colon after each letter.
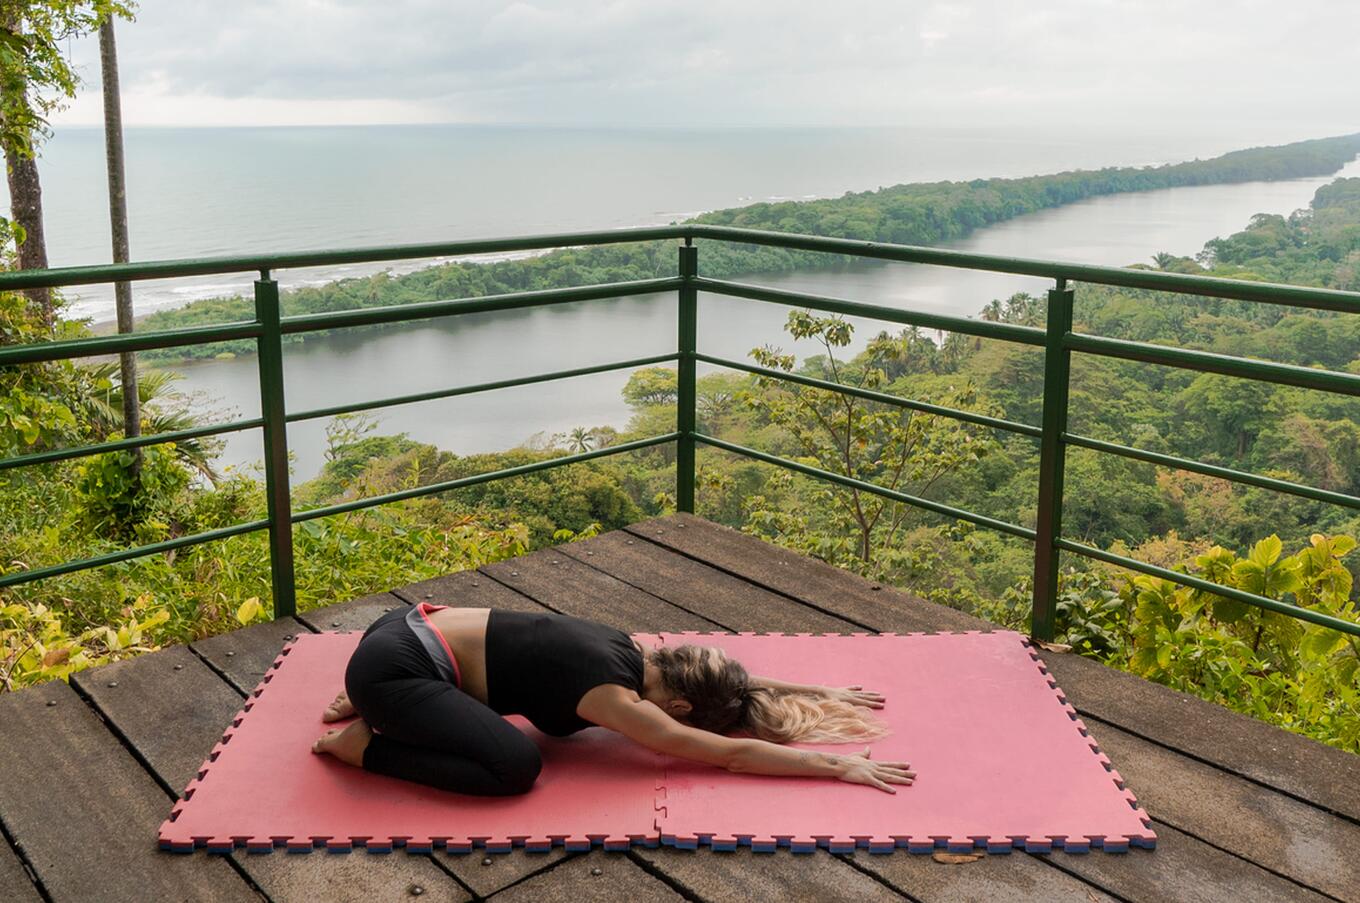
x: 895, y: 448
x: 118, y: 222
x: 36, y: 79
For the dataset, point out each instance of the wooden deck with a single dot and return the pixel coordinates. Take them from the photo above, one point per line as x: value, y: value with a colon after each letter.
x: 88, y: 771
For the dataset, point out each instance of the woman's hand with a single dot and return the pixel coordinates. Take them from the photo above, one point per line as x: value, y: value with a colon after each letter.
x: 858, y: 768
x: 855, y: 696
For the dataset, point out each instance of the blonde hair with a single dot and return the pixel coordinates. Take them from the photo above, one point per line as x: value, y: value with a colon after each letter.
x: 722, y: 698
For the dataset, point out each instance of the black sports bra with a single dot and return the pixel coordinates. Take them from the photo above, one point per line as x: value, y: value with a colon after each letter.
x: 540, y: 665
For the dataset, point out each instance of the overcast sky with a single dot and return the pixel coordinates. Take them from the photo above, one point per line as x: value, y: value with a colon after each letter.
x: 1277, y: 69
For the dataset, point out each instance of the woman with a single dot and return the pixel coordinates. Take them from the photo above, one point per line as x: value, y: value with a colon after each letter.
x: 430, y: 684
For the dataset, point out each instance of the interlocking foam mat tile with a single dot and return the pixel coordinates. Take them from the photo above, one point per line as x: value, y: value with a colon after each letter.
x: 262, y: 787
x: 1002, y: 762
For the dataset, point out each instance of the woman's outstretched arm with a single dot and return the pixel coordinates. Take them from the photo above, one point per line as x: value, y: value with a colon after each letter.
x: 855, y: 695
x: 620, y: 709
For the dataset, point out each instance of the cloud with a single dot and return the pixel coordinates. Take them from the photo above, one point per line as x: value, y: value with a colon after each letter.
x: 1045, y: 65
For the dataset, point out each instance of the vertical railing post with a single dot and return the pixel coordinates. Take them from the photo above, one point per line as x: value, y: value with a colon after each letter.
x: 276, y: 488
x: 685, y: 396
x: 1052, y: 457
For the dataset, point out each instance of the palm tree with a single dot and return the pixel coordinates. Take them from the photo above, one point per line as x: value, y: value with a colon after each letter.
x: 162, y: 408
x: 113, y: 152
x: 580, y: 440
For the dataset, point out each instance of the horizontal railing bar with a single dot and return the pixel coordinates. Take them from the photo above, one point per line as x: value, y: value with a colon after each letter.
x: 1271, y: 293
x: 924, y: 407
x: 207, y: 266
x: 80, y: 451
x: 916, y: 501
x: 38, y: 352
x: 314, y: 513
x: 1227, y: 592
x: 1227, y: 365
x: 480, y: 387
x: 1211, y: 470
x: 1182, y: 283
x: 986, y: 329
x: 511, y: 301
x: 83, y: 564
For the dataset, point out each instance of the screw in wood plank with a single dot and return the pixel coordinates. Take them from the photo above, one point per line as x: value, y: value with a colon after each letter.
x: 475, y: 583
x: 51, y: 702
x: 179, y: 667
x: 514, y: 573
x: 629, y: 542
x: 552, y: 561
x: 486, y: 861
x: 597, y: 871
x: 429, y: 595
x: 113, y: 683
x: 230, y: 654
x: 335, y: 623
x: 659, y: 532
x: 386, y: 610
x: 415, y: 890
x: 590, y: 553
x: 288, y: 638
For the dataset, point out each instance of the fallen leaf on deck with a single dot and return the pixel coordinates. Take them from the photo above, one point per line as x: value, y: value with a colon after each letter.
x: 1055, y: 647
x: 956, y: 858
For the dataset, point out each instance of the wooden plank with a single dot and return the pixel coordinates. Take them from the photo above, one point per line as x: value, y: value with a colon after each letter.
x: 1277, y: 832
x: 1296, y: 765
x: 694, y: 586
x: 356, y: 614
x: 565, y: 585
x: 486, y: 874
x: 1010, y: 877
x: 1181, y: 869
x: 15, y: 884
x: 243, y: 656
x: 576, y: 881
x: 742, y: 875
x: 870, y: 605
x: 466, y: 589
x: 85, y: 812
x: 172, y: 709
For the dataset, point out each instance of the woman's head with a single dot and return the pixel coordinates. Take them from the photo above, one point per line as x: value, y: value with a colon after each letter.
x: 703, y: 687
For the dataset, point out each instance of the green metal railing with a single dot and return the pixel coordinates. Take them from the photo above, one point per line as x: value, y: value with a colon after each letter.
x: 1057, y: 340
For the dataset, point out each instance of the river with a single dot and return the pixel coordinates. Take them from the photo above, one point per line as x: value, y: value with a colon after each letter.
x: 1114, y: 230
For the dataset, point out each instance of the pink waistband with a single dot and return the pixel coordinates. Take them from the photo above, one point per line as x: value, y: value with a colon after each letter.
x: 425, y: 608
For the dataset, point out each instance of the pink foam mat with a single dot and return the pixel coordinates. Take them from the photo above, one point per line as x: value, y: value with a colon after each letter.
x: 262, y: 787
x: 1002, y: 761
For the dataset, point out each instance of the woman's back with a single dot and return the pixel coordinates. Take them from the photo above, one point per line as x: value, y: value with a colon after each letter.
x: 540, y: 665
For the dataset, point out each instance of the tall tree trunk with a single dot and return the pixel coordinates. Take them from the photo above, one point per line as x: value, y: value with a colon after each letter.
x: 113, y: 151
x: 25, y: 193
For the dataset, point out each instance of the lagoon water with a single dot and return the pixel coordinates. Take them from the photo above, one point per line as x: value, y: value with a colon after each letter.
x: 204, y: 192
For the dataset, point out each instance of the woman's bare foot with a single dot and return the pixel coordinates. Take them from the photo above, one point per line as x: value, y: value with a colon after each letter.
x: 347, y: 745
x: 339, y: 709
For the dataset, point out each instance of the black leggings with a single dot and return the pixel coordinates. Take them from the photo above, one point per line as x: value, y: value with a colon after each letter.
x: 426, y: 729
